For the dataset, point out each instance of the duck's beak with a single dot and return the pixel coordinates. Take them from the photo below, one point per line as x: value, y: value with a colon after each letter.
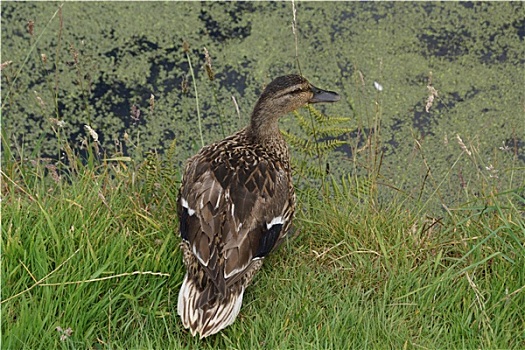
x: 321, y: 95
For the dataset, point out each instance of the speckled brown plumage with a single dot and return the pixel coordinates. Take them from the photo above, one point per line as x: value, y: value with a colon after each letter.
x: 235, y: 206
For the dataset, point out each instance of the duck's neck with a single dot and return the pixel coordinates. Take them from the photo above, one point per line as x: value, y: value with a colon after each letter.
x: 264, y: 126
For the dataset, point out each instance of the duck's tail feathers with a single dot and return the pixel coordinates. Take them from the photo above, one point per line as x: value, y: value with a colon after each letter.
x: 212, y: 317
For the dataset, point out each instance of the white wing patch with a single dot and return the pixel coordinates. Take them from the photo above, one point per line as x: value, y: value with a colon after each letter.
x: 275, y: 221
x: 186, y: 205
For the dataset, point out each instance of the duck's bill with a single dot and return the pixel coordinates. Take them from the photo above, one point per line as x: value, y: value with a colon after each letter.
x: 321, y: 95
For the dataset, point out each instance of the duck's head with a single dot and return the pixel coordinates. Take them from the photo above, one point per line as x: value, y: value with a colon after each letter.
x: 286, y: 94
x: 290, y: 92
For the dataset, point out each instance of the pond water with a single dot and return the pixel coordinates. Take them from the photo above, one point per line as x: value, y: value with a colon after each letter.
x: 101, y: 63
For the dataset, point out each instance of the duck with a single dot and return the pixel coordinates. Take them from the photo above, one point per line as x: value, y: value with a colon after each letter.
x: 235, y: 206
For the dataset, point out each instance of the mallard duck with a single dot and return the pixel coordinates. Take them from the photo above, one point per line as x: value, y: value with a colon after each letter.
x: 235, y: 205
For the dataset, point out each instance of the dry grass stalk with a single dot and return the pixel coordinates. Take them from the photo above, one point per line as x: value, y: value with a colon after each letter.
x: 236, y: 107
x: 5, y: 64
x: 361, y: 77
x: 135, y: 113
x: 125, y: 274
x: 462, y: 145
x: 433, y: 93
x: 151, y: 103
x: 74, y: 53
x: 40, y: 101
x: 184, y: 85
x: 294, y: 26
x: 53, y: 171
x: 42, y: 279
x: 55, y: 121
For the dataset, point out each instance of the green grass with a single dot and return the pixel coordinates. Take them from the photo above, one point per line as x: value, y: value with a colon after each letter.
x: 97, y: 251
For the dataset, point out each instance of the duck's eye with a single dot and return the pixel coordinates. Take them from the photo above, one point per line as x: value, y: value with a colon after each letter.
x: 298, y: 91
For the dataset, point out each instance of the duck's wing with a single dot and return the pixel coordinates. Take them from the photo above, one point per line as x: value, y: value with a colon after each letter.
x: 233, y: 213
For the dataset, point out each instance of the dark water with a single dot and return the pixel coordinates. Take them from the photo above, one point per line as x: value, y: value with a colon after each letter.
x: 105, y: 60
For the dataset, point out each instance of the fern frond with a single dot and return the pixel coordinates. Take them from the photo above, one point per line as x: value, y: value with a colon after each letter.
x: 327, y: 146
x: 319, y: 136
x: 318, y: 116
x: 308, y: 170
x: 170, y: 154
x: 333, y: 131
x: 337, y: 120
x: 294, y: 140
x: 303, y: 123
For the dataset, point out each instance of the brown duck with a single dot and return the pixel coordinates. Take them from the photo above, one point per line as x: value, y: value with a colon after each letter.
x: 235, y: 206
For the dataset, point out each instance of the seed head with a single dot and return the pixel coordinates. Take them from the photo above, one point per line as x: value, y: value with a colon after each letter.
x: 207, y: 65
x: 185, y: 46
x: 92, y: 132
x: 31, y: 27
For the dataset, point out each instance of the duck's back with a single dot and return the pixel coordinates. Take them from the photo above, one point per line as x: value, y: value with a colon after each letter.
x: 236, y: 204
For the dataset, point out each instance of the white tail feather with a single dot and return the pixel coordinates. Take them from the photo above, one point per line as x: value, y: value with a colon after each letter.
x: 212, y: 317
